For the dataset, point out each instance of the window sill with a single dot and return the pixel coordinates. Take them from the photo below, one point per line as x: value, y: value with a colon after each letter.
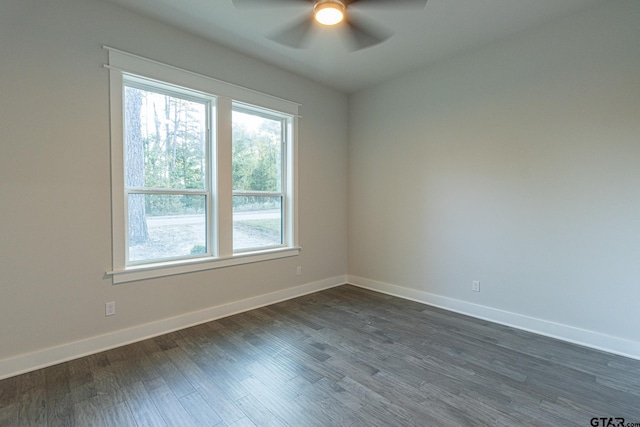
x: 150, y: 271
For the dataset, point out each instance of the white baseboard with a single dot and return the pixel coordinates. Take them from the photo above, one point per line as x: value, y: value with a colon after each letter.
x: 586, y: 338
x: 62, y: 353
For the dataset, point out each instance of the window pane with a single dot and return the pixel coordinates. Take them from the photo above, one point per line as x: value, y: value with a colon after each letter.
x: 165, y: 140
x: 166, y: 226
x: 257, y: 222
x: 257, y: 152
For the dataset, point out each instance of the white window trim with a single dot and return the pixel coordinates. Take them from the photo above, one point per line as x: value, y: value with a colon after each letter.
x: 123, y: 62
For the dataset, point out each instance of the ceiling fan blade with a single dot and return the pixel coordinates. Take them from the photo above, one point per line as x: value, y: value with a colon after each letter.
x: 415, y: 4
x: 245, y: 4
x: 296, y: 35
x: 364, y: 34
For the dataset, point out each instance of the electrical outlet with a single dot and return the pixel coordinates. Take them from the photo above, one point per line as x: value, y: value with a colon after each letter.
x: 110, y: 308
x: 475, y: 286
x: 299, y: 271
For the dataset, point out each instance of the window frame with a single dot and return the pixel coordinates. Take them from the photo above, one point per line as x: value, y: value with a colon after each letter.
x: 137, y: 82
x: 124, y: 66
x: 260, y: 112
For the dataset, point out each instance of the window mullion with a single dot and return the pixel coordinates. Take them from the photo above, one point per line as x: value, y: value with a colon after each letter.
x: 210, y: 183
x: 224, y: 178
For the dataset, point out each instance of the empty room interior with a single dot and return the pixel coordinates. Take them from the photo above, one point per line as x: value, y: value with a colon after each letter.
x: 222, y: 213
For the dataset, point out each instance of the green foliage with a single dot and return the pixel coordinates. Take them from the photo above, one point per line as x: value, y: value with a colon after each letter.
x: 173, y: 142
x: 174, y: 152
x: 174, y: 204
x: 251, y: 203
x: 257, y: 159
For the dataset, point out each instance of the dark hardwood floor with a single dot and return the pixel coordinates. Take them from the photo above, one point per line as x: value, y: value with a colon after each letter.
x: 341, y: 357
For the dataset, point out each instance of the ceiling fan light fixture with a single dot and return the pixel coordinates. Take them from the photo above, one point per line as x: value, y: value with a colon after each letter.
x: 329, y: 12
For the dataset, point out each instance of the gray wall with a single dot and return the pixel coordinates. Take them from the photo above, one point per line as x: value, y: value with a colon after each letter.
x: 517, y: 164
x: 55, y: 228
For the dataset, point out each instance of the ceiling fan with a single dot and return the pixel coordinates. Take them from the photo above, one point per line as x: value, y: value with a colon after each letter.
x: 361, y: 32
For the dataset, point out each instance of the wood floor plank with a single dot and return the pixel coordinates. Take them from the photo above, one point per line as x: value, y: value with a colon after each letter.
x: 143, y: 411
x: 88, y: 413
x: 9, y: 414
x: 327, y: 403
x: 345, y: 356
x: 33, y: 408
x: 243, y: 422
x: 108, y: 392
x: 60, y: 410
x: 276, y: 378
x: 9, y: 391
x: 170, y: 374
x: 57, y: 379
x: 118, y: 415
x: 258, y: 413
x: 279, y: 405
x: 169, y: 406
x: 224, y: 407
x: 29, y: 381
x: 224, y: 376
x: 81, y: 381
x: 199, y: 409
x: 349, y: 401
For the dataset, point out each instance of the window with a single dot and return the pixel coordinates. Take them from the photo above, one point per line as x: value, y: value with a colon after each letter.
x: 203, y: 172
x: 166, y: 167
x: 258, y: 187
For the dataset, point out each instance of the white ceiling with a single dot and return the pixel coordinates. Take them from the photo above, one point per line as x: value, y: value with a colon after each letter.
x: 442, y: 29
